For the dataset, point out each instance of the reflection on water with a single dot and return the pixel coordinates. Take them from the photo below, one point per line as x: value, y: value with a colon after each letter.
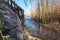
x: 31, y: 24
x: 41, y: 30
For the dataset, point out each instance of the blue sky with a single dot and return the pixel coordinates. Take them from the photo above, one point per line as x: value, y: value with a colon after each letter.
x: 27, y: 10
x: 22, y: 5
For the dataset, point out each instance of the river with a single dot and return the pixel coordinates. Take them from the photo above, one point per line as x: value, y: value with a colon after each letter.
x: 41, y: 31
x: 31, y: 24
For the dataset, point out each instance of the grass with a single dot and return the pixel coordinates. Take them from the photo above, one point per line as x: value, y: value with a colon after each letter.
x: 1, y: 26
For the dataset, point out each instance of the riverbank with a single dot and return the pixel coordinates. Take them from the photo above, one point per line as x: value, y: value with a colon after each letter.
x: 44, y: 31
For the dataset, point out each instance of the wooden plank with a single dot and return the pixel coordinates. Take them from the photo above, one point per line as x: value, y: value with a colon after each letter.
x: 11, y: 3
x: 14, y: 5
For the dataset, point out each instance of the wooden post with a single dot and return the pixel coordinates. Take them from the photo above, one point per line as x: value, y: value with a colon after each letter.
x: 14, y: 5
x: 18, y: 9
x: 11, y: 4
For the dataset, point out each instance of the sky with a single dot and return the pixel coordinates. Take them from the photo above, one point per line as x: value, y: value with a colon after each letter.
x: 23, y: 6
x: 27, y: 9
